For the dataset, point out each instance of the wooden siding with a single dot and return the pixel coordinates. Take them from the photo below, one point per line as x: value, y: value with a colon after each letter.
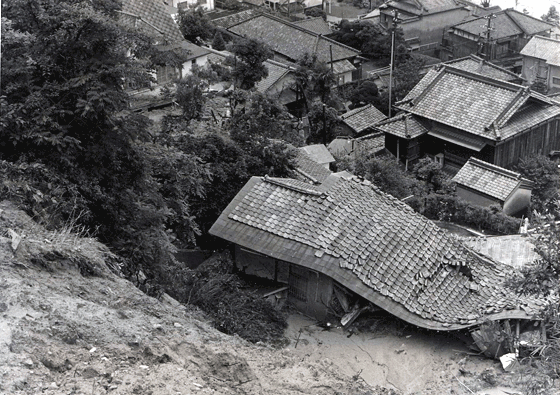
x: 540, y: 139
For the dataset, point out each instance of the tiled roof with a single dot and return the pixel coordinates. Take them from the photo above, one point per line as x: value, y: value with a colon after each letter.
x: 403, y: 126
x: 375, y: 245
x: 276, y: 71
x: 370, y: 143
x: 513, y: 250
x: 507, y: 23
x: 543, y: 48
x: 489, y: 179
x: 316, y: 25
x: 309, y: 170
x: 527, y: 117
x: 342, y: 66
x: 469, y: 101
x: 359, y: 119
x: 151, y: 17
x: 420, y: 7
x: 475, y: 64
x: 290, y: 40
x: 342, y: 146
x: 233, y: 19
x: 318, y: 152
x: 194, y: 51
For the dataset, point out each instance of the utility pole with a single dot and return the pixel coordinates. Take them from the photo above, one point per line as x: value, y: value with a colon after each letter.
x: 394, y: 27
x: 489, y: 29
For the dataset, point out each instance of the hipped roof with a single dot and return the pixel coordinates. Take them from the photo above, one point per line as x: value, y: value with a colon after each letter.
x: 376, y: 246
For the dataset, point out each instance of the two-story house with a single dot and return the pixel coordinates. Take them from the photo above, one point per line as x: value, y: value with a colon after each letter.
x: 541, y: 62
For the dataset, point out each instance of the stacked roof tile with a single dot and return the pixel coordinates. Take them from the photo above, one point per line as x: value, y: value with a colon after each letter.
x: 513, y: 250
x: 151, y: 17
x: 487, y: 178
x: 309, y: 170
x: 474, y: 64
x: 544, y: 48
x: 375, y: 245
x: 291, y: 40
x: 403, y: 126
x: 362, y: 118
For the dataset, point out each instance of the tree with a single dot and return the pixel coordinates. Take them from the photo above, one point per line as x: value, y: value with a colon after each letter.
x: 315, y: 79
x: 190, y: 96
x: 195, y: 25
x: 551, y: 16
x: 407, y: 75
x: 218, y: 42
x: 544, y: 173
x: 324, y: 122
x: 365, y: 93
x: 248, y: 63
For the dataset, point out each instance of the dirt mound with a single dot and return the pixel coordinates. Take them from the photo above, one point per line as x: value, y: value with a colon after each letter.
x: 71, y: 326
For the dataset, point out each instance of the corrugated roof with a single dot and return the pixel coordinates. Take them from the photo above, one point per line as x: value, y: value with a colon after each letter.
x: 151, y: 17
x: 469, y: 101
x: 318, y: 152
x: 507, y: 23
x: 359, y: 119
x: 375, y: 245
x: 290, y: 40
x: 543, y: 48
x: 403, y: 126
x: 316, y: 25
x: 489, y: 179
x: 513, y: 250
x: 475, y: 64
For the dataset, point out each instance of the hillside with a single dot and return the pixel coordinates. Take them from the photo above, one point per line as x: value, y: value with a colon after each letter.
x: 70, y: 325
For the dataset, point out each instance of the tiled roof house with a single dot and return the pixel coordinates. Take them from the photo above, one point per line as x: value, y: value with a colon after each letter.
x: 485, y: 184
x: 348, y: 232
x: 360, y: 120
x: 475, y: 64
x: 423, y: 21
x: 309, y: 170
x: 541, y: 62
x: 510, y: 31
x: 517, y: 251
x: 290, y: 42
x: 457, y: 114
x: 316, y: 25
x: 151, y: 18
x: 319, y: 153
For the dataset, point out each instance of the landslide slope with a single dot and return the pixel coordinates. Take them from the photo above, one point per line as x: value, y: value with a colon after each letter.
x: 70, y: 325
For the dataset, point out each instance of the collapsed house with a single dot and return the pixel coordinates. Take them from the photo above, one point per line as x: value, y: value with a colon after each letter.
x: 346, y: 236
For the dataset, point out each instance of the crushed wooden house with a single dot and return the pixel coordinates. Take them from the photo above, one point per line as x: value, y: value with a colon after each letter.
x: 345, y: 234
x: 485, y: 184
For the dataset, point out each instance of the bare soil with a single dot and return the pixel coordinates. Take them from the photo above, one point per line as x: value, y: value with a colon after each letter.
x: 66, y: 331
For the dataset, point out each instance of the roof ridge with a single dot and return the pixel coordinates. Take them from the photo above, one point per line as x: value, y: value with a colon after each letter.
x: 514, y: 21
x: 494, y: 168
x: 355, y: 111
x: 527, y: 16
x: 483, y: 78
x: 369, y: 136
x: 428, y: 87
x: 520, y: 97
x: 276, y: 182
x: 546, y: 38
x: 339, y: 44
x: 258, y: 14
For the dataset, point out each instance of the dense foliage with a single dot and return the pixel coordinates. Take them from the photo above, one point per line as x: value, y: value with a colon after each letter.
x: 195, y: 25
x: 248, y: 68
x: 543, y: 172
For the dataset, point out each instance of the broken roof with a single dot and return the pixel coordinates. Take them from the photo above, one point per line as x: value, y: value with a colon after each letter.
x: 489, y: 179
x: 291, y: 40
x: 482, y: 106
x: 478, y: 65
x: 151, y: 17
x: 514, y: 250
x: 507, y: 23
x: 375, y: 245
x: 359, y: 119
x: 543, y: 48
x: 318, y: 152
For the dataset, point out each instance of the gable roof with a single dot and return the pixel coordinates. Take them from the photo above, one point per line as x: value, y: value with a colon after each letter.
x: 318, y: 153
x: 316, y: 25
x: 276, y: 71
x: 233, y: 19
x: 474, y: 64
x: 402, y: 125
x: 489, y: 179
x: 193, y: 50
x: 375, y: 245
x: 543, y: 48
x: 506, y: 23
x: 472, y: 102
x: 359, y: 119
x: 151, y: 17
x: 309, y: 170
x: 291, y: 40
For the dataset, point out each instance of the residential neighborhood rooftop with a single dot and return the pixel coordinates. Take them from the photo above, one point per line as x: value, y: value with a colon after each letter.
x: 489, y: 179
x: 276, y: 71
x: 318, y: 153
x: 514, y: 250
x: 316, y: 25
x: 478, y: 65
x: 233, y: 19
x: 403, y: 125
x: 375, y: 245
x: 151, y: 17
x: 362, y: 118
x: 309, y: 170
x: 543, y: 48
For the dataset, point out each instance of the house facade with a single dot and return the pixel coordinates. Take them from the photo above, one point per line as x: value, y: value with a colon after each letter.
x: 423, y: 21
x: 452, y: 115
x: 485, y: 184
x: 345, y: 234
x: 497, y: 37
x: 541, y: 62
